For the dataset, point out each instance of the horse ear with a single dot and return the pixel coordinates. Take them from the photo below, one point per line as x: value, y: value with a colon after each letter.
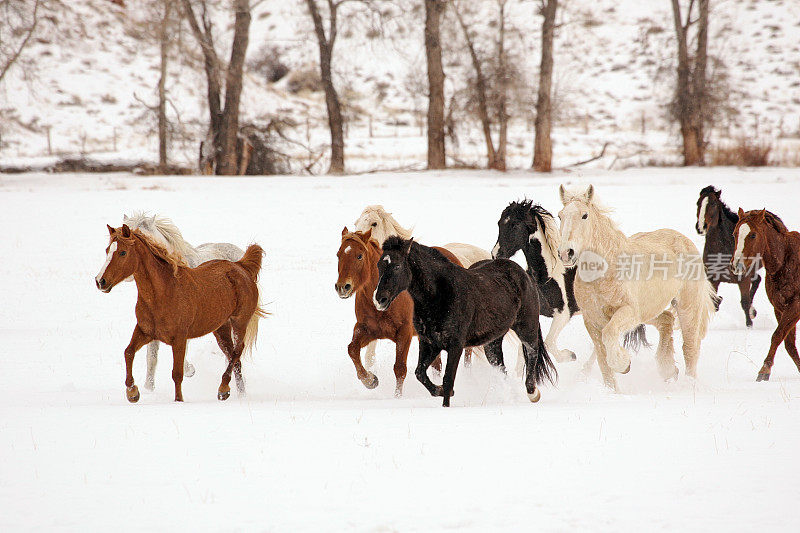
x: 344, y: 231
x: 367, y: 236
x: 407, y: 247
x: 763, y: 213
x: 741, y: 212
x: 110, y: 230
x: 589, y: 194
x: 562, y: 193
x: 126, y: 231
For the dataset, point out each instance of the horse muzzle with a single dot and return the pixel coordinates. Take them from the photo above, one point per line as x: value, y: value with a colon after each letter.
x: 737, y: 267
x: 701, y: 230
x: 344, y: 290
x: 103, y: 285
x: 567, y: 256
x: 381, y: 301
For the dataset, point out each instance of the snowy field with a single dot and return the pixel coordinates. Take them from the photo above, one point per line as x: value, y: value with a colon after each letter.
x: 310, y: 448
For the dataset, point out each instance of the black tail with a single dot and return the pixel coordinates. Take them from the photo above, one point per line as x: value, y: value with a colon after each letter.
x: 636, y: 338
x: 543, y: 367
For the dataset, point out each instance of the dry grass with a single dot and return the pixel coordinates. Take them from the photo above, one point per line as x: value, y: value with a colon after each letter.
x: 742, y: 152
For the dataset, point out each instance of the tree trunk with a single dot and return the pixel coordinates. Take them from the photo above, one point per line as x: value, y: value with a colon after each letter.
x: 542, y: 144
x: 480, y: 88
x: 162, y: 89
x: 227, y: 163
x: 502, y: 83
x: 433, y: 52
x: 335, y: 121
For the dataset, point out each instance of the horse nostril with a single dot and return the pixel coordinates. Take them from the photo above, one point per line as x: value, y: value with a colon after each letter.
x: 383, y: 301
x: 102, y: 282
x: 347, y: 286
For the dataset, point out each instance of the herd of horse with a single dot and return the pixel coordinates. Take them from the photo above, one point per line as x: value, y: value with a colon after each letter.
x: 461, y: 299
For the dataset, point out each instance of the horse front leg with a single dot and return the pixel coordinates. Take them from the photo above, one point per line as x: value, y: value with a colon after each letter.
x: 560, y: 320
x: 369, y: 354
x: 361, y: 337
x: 138, y: 339
x: 178, y: 356
x: 745, y: 301
x: 453, y: 355
x: 617, y: 357
x: 152, y: 360
x: 427, y: 353
x: 787, y: 321
x: 402, y: 343
x: 599, y: 353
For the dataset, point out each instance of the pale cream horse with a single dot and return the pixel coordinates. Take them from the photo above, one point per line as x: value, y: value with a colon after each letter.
x: 384, y: 225
x: 625, y: 281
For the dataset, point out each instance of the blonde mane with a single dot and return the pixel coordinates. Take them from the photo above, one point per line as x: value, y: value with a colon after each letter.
x: 160, y: 252
x: 606, y: 235
x: 165, y: 227
x: 552, y: 239
x: 392, y: 226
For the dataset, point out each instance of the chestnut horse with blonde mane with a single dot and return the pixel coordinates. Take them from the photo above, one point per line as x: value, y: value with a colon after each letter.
x: 358, y: 274
x: 176, y: 303
x: 763, y: 235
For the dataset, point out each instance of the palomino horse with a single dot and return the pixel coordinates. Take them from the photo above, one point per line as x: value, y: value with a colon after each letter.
x: 625, y: 281
x: 456, y: 307
x: 163, y: 231
x: 383, y: 225
x: 762, y: 235
x: 177, y: 303
x: 531, y: 228
x: 358, y: 275
x: 716, y: 221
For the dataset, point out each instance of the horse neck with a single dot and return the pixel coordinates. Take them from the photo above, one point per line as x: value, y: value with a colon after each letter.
x: 779, y: 254
x: 722, y: 231
x: 607, y: 240
x: 537, y: 266
x: 425, y: 274
x: 151, y: 275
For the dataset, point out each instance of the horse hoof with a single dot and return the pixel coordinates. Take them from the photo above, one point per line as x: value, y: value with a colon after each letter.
x: 440, y: 392
x: 132, y: 394
x: 188, y: 370
x: 566, y: 356
x: 535, y: 396
x: 627, y: 369
x: 673, y: 378
x: 223, y: 395
x: 370, y: 382
x: 762, y: 376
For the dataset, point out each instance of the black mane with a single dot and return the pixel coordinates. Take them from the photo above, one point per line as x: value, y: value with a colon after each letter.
x: 520, y: 209
x: 396, y: 243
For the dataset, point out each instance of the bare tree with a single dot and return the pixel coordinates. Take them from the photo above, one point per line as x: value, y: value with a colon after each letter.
x: 433, y: 51
x: 223, y: 121
x: 326, y: 41
x: 164, y: 46
x: 18, y: 22
x: 542, y: 144
x: 691, y: 94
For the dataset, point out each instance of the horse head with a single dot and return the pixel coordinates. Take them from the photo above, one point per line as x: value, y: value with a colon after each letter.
x: 121, y: 259
x: 394, y: 273
x: 357, y: 255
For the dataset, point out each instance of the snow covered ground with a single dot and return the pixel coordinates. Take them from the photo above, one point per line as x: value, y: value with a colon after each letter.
x: 310, y: 448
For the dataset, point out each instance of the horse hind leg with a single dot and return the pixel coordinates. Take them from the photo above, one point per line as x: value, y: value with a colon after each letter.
x: 689, y: 321
x: 401, y: 360
x: 369, y: 355
x: 665, y: 353
x: 152, y: 361
x: 231, y: 341
x: 746, y: 302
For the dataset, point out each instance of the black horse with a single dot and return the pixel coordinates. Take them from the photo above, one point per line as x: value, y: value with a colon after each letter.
x: 716, y: 221
x: 531, y: 228
x: 456, y: 307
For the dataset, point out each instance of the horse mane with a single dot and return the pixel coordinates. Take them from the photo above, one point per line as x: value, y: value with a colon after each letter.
x: 606, y: 228
x: 552, y: 240
x: 389, y: 220
x: 727, y: 211
x: 356, y: 236
x: 160, y: 252
x: 776, y: 222
x: 394, y: 242
x: 164, y: 226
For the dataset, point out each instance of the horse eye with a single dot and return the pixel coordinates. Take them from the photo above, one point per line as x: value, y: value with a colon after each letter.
x: 751, y: 236
x: 122, y: 253
x: 585, y: 216
x: 374, y: 224
x: 360, y: 257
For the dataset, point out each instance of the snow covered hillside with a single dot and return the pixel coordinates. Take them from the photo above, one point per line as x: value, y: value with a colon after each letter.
x: 309, y: 448
x: 91, y: 68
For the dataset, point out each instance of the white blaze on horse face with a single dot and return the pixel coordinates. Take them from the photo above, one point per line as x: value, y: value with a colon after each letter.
x: 701, y: 216
x: 347, y: 249
x: 111, y: 250
x: 387, y: 259
x: 744, y: 229
x: 567, y: 216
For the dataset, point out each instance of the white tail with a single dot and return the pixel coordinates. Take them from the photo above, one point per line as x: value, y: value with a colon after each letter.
x: 251, y: 333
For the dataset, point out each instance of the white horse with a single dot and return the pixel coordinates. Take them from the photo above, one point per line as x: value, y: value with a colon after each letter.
x: 162, y: 230
x: 383, y: 225
x: 625, y: 281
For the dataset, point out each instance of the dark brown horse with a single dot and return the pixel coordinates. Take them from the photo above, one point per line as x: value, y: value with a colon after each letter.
x: 358, y: 274
x: 177, y: 303
x: 716, y: 222
x: 761, y: 235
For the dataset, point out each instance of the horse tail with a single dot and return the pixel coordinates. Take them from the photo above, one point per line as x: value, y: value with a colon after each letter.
x: 636, y: 338
x: 251, y: 261
x: 543, y: 367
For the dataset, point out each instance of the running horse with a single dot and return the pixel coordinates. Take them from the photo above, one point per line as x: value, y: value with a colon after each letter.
x: 176, y: 303
x: 761, y: 235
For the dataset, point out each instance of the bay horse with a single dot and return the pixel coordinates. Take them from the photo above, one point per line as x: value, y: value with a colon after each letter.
x: 176, y: 303
x: 163, y: 231
x: 716, y: 221
x: 358, y: 275
x: 531, y: 228
x: 761, y: 235
x: 633, y: 280
x: 384, y: 225
x: 456, y: 307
